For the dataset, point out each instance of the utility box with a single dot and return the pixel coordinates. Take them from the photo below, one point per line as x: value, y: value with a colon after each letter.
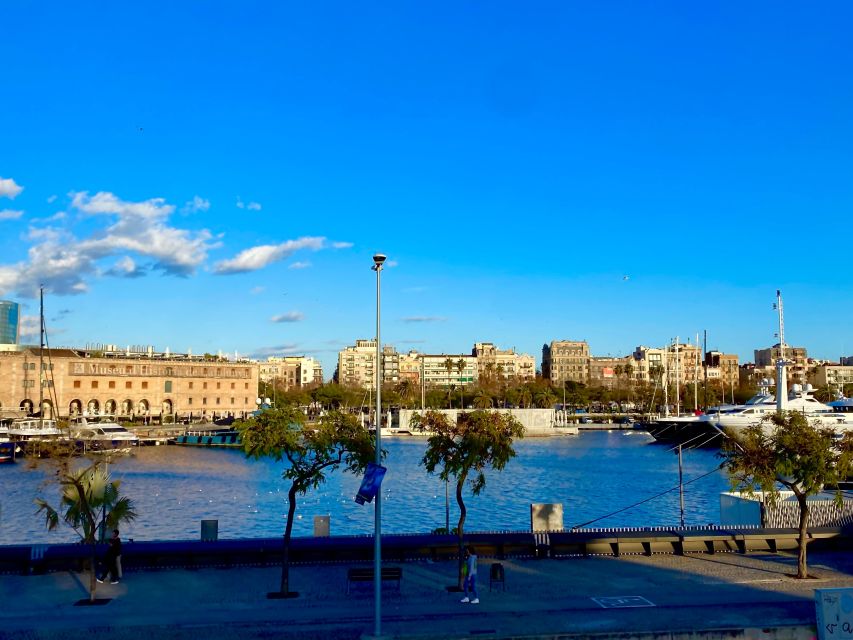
x: 546, y: 517
x: 322, y: 526
x: 834, y: 614
x: 209, y: 530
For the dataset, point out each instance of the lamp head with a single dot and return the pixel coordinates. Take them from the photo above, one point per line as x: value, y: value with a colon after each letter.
x: 378, y: 260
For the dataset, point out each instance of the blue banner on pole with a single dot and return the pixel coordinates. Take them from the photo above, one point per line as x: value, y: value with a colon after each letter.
x: 371, y: 483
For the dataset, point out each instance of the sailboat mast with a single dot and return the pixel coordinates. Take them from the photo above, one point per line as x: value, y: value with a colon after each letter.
x: 41, y: 357
x: 696, y: 378
x: 781, y: 371
x: 677, y: 380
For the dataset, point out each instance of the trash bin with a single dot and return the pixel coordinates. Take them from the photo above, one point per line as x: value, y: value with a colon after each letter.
x: 209, y: 530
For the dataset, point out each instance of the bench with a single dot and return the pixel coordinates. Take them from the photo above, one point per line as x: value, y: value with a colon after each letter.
x: 365, y: 574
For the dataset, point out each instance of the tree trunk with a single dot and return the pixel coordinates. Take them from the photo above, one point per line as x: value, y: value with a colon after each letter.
x: 285, y: 558
x: 460, y: 528
x: 93, y: 567
x: 802, y: 570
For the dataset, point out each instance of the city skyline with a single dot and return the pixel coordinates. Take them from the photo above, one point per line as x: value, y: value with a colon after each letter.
x: 218, y: 179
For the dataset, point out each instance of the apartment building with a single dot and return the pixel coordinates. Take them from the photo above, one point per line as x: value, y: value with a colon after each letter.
x: 797, y: 357
x: 130, y: 384
x: 606, y: 371
x: 494, y: 363
x: 356, y: 364
x: 565, y: 360
x: 834, y: 376
x: 445, y: 370
x: 292, y: 371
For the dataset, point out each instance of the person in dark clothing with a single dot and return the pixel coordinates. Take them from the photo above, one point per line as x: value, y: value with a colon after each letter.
x: 111, y: 559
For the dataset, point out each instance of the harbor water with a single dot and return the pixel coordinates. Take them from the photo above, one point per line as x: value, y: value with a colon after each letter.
x: 593, y: 475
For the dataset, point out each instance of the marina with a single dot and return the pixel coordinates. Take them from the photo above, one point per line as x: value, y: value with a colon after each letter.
x: 593, y: 474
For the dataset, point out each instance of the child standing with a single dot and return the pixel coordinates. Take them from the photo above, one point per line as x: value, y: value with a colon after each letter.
x: 470, y: 581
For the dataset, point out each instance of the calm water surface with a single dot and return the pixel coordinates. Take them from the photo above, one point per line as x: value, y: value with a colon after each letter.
x: 592, y: 475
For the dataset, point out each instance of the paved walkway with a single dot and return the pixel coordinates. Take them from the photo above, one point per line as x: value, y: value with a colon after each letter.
x: 543, y: 598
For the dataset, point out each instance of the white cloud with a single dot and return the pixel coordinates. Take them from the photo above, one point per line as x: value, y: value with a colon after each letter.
x: 29, y: 326
x: 290, y: 316
x: 65, y: 263
x: 342, y: 245
x: 10, y: 214
x: 259, y: 257
x: 51, y: 199
x: 391, y: 264
x: 195, y: 205
x: 9, y: 189
x: 424, y: 319
x: 104, y: 202
x: 256, y: 290
x: 125, y: 268
x: 299, y: 265
x: 141, y: 228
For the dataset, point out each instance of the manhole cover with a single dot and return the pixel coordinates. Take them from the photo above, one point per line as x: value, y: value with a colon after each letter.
x: 622, y: 602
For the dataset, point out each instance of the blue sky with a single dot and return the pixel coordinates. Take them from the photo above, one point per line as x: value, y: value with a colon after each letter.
x: 217, y: 176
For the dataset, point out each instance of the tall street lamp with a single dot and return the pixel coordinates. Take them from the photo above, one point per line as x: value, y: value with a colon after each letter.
x: 378, y: 260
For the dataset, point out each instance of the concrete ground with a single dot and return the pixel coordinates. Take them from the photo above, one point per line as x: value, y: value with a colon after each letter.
x: 719, y: 595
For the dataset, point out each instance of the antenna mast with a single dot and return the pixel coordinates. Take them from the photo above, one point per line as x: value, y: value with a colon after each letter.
x: 781, y: 372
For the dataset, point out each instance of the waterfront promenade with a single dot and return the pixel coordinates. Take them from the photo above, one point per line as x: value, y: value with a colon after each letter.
x: 698, y: 595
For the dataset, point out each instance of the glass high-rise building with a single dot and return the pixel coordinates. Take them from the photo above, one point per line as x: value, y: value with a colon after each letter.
x: 10, y: 322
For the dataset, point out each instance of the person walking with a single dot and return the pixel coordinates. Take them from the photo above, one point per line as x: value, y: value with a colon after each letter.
x: 470, y: 581
x: 111, y: 559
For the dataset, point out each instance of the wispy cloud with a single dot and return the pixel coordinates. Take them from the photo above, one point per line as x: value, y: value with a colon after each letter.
x: 29, y: 326
x: 59, y: 215
x: 51, y: 199
x: 342, y: 245
x: 259, y: 257
x: 262, y: 353
x: 195, y: 205
x: 10, y: 214
x: 424, y: 319
x: 9, y: 189
x: 392, y: 263
x: 251, y: 206
x: 257, y: 290
x: 290, y: 316
x: 299, y: 265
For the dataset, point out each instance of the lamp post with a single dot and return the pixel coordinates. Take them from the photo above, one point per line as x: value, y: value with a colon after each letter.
x: 378, y: 260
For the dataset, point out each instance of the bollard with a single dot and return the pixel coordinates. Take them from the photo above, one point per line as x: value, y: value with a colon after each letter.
x: 209, y: 530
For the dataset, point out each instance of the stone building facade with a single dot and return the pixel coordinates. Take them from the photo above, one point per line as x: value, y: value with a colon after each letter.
x: 143, y: 386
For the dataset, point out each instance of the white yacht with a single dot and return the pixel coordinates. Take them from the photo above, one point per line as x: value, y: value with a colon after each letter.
x: 100, y: 432
x: 800, y: 399
x: 25, y: 429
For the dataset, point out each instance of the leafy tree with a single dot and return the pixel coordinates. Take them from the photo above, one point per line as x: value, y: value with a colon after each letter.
x: 801, y: 457
x: 464, y: 449
x: 90, y: 503
x: 339, y: 439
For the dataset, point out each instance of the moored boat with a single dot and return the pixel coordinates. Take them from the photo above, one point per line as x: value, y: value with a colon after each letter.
x: 100, y: 432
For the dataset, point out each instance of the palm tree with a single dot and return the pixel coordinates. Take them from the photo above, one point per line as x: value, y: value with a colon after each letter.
x: 460, y: 367
x: 405, y: 389
x: 90, y: 504
x: 448, y: 365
